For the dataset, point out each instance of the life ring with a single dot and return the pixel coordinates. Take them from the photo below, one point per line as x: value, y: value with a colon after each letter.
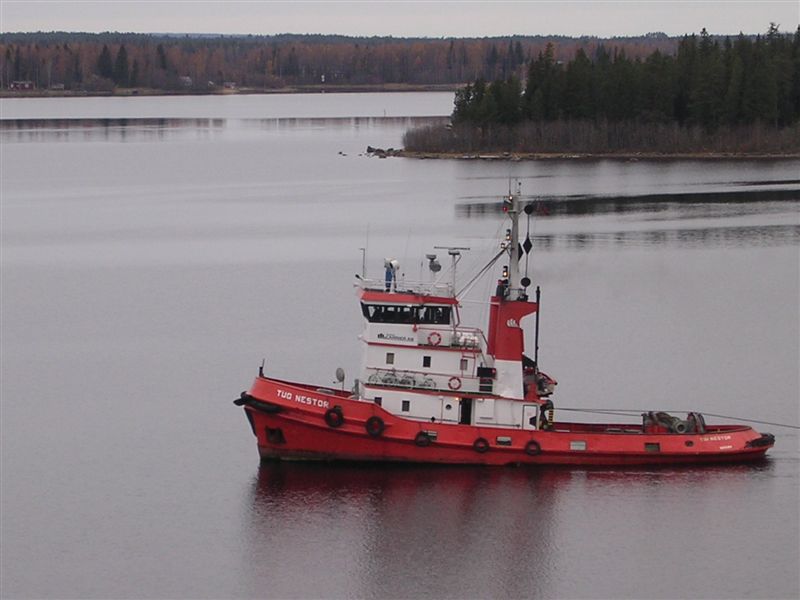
x: 480, y: 445
x: 454, y: 383
x: 422, y: 440
x: 375, y: 426
x: 334, y: 417
x: 533, y: 448
x: 434, y: 338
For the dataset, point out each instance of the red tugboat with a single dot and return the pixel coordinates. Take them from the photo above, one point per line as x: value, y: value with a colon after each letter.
x: 434, y: 391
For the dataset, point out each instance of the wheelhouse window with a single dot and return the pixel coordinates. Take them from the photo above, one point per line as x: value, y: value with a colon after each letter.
x: 434, y: 315
x: 426, y: 361
x: 387, y: 313
x: 390, y: 358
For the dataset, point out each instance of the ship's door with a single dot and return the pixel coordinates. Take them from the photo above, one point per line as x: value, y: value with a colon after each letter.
x: 530, y: 412
x: 465, y: 411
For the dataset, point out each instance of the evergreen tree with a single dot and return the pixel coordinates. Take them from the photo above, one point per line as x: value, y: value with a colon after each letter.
x: 105, y: 68
x: 732, y: 103
x: 506, y: 100
x: 604, y: 92
x: 134, y: 80
x: 162, y: 57
x: 544, y: 77
x: 17, y: 64
x: 121, y: 67
x: 794, y: 93
x: 463, y: 104
x: 657, y: 88
x: 760, y: 93
x: 686, y: 59
x: 708, y: 85
x: 578, y: 87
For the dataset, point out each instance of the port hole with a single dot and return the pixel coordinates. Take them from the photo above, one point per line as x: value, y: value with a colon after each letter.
x: 652, y: 447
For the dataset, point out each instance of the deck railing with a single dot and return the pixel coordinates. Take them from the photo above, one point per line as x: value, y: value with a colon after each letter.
x: 421, y: 288
x: 445, y: 382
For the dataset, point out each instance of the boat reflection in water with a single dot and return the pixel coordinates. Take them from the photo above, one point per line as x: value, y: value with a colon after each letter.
x: 407, y: 531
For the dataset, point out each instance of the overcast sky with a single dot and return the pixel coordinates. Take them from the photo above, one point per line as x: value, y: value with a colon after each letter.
x: 403, y: 18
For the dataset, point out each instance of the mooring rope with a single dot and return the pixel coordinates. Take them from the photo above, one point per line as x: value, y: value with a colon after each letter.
x: 626, y: 412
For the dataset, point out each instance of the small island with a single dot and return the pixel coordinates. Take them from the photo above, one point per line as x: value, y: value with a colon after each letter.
x: 711, y: 99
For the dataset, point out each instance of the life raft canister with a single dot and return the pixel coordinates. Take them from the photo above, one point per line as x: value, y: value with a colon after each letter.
x: 334, y: 417
x: 454, y: 383
x: 434, y: 338
x: 374, y: 426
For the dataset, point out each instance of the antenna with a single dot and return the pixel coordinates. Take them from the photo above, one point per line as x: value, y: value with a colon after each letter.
x: 364, y: 259
x: 455, y: 255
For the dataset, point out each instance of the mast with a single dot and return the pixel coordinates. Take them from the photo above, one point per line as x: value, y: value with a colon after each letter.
x: 516, y: 291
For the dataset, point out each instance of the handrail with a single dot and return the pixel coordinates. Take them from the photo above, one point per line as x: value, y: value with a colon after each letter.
x: 407, y: 378
x: 423, y: 288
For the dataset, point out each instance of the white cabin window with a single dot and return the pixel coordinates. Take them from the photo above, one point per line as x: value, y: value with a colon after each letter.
x: 464, y: 364
x: 378, y: 400
x: 426, y: 361
x: 406, y: 405
x: 390, y: 358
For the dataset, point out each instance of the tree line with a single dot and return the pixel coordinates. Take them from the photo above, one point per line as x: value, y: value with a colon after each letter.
x: 83, y: 61
x: 707, y: 83
x: 712, y: 95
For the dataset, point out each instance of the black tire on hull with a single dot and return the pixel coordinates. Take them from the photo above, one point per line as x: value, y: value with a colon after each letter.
x: 533, y: 448
x: 374, y: 426
x: 334, y: 417
x: 480, y: 445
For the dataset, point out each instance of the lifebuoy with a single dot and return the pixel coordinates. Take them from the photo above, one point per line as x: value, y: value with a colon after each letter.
x: 533, y: 448
x: 375, y: 426
x: 480, y: 445
x: 454, y: 383
x: 422, y: 440
x: 334, y: 417
x: 434, y: 338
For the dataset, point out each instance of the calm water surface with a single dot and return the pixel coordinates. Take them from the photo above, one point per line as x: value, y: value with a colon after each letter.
x: 154, y: 250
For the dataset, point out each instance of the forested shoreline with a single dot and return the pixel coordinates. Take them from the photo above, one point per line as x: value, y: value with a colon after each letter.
x: 77, y: 63
x: 530, y: 95
x: 735, y: 96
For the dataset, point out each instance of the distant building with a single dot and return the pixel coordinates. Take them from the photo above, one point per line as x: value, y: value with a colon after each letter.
x: 57, y: 86
x: 21, y: 85
x: 229, y: 85
x: 186, y: 81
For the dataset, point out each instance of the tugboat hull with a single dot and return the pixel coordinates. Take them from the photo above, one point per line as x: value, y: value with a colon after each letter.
x: 298, y: 422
